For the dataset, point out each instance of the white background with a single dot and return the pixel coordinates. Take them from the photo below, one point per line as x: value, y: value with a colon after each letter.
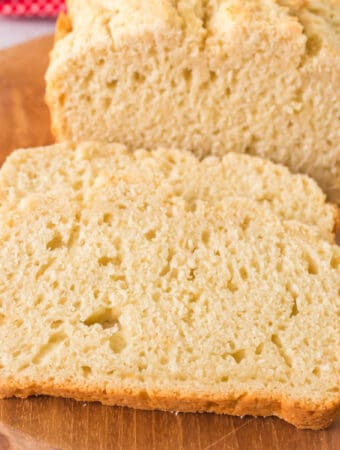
x: 15, y: 31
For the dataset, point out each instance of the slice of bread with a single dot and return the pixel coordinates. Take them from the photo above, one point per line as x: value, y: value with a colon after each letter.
x: 258, y: 76
x: 78, y: 168
x: 134, y: 297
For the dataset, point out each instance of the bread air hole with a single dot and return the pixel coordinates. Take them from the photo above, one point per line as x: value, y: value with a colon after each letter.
x: 18, y: 323
x: 150, y: 235
x: 77, y: 185
x: 56, y: 323
x: 111, y: 84
x: 119, y: 277
x: 117, y: 342
x: 187, y: 75
x: 205, y: 237
x: 164, y: 270
x: 86, y: 370
x: 277, y: 342
x: 142, y: 366
x: 138, y: 77
x: 157, y: 295
x: 105, y: 317
x: 163, y: 360
x: 45, y: 350
x: 191, y: 275
x: 313, y: 45
x: 190, y: 204
x: 55, y: 243
x: 38, y: 300
x: 335, y: 261
x: 213, y: 76
x: 295, y: 310
x: 107, y: 218
x: 107, y: 102
x: 238, y: 356
x: 245, y: 223
x: 312, y: 266
x: 61, y: 100
x: 105, y: 260
x: 43, y: 268
x: 188, y: 317
x: 231, y: 286
x: 259, y: 349
x: 243, y: 273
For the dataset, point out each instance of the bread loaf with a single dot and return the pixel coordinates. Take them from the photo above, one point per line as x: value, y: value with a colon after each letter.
x: 257, y: 77
x: 129, y: 294
x: 79, y: 167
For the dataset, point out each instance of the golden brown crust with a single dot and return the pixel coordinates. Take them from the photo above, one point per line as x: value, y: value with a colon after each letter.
x: 299, y: 413
x: 63, y: 27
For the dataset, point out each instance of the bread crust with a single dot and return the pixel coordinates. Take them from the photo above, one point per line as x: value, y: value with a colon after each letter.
x: 336, y: 229
x: 301, y: 414
x: 63, y: 27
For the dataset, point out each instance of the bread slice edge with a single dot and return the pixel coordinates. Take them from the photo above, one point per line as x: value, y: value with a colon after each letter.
x: 298, y: 412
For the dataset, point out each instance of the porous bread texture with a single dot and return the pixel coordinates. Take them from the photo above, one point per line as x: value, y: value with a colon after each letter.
x: 257, y: 77
x: 133, y: 297
x: 79, y: 167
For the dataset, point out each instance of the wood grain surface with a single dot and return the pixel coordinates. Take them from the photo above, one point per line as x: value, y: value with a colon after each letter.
x: 49, y: 423
x: 24, y: 117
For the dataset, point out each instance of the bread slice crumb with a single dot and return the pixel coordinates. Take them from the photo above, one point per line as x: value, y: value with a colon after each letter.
x: 133, y: 296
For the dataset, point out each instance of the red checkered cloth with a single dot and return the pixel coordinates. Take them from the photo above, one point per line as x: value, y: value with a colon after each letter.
x: 32, y: 8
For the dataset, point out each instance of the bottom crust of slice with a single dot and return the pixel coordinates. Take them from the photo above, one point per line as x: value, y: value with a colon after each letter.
x: 299, y: 413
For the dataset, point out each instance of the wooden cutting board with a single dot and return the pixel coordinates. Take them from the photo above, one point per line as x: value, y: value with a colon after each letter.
x: 49, y: 423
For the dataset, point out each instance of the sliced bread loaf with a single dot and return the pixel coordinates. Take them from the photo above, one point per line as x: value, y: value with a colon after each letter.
x: 180, y: 173
x: 257, y: 76
x: 129, y: 297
